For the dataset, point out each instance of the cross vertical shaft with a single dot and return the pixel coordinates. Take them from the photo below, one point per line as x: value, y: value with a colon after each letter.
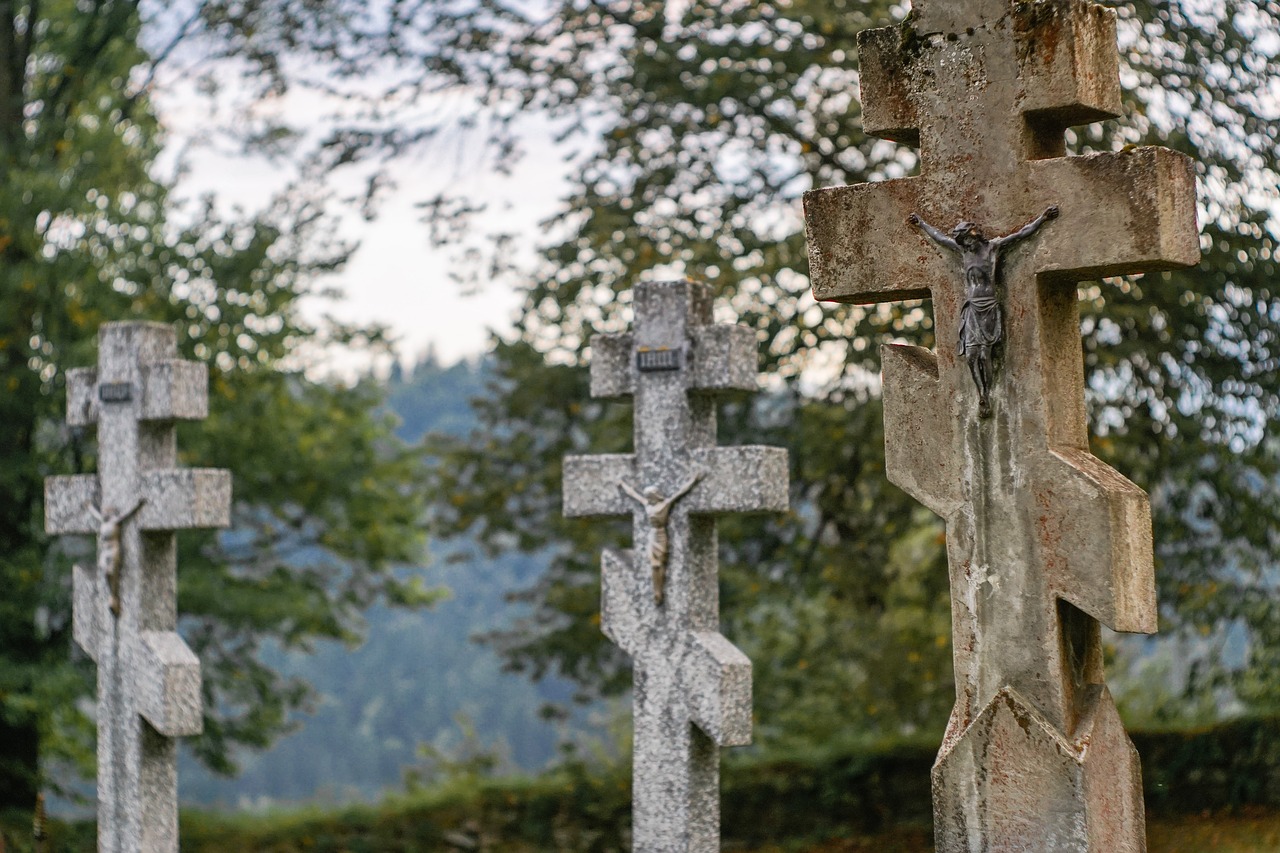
x: 125, y: 608
x: 1044, y: 541
x: 692, y: 688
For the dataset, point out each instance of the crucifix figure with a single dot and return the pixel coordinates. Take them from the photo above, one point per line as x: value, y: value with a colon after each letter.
x: 1045, y: 542
x: 109, y: 529
x: 660, y: 602
x: 981, y: 323
x: 125, y: 613
x: 657, y: 509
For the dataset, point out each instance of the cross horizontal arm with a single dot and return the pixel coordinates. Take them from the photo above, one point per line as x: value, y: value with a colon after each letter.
x: 82, y: 396
x: 89, y: 613
x: 177, y: 499
x: 186, y: 498
x: 851, y: 259
x: 1127, y: 212
x: 721, y: 359
x: 718, y: 681
x: 750, y: 478
x: 175, y: 389
x: 724, y: 359
x: 613, y: 371
x: 1132, y: 211
x: 168, y: 684
x: 172, y: 389
x: 591, y: 485
x: 735, y: 479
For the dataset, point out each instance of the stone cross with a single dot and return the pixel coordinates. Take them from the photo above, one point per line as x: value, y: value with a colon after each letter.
x: 692, y: 688
x: 125, y: 608
x: 1044, y: 541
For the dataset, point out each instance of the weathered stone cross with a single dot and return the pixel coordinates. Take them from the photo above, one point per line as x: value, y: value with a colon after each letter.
x: 1044, y: 540
x: 125, y: 609
x: 674, y: 364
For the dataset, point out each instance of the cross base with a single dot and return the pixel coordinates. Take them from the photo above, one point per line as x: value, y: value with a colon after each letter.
x: 1011, y: 783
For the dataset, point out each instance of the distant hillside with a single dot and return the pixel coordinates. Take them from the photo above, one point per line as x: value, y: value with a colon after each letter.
x: 434, y: 398
x: 418, y: 678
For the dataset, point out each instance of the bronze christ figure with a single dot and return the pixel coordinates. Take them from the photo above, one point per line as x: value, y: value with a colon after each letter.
x: 981, y: 320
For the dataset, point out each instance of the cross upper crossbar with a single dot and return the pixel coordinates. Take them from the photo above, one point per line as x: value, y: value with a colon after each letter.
x: 170, y: 389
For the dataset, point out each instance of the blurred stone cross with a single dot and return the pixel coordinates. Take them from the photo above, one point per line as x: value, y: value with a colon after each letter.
x: 660, y: 601
x: 1044, y: 540
x: 125, y: 608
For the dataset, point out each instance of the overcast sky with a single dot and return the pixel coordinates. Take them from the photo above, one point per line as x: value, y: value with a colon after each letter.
x: 396, y: 277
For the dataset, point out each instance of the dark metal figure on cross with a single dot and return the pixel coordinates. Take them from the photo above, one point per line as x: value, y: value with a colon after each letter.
x: 981, y: 322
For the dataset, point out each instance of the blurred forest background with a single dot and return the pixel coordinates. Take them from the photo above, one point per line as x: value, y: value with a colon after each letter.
x: 690, y: 130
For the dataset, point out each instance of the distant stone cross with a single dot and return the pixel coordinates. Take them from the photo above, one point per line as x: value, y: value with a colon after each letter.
x: 692, y: 687
x: 1044, y: 540
x: 125, y: 608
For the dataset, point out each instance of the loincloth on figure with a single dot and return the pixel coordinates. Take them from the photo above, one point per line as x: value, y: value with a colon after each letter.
x: 658, y: 545
x: 980, y: 324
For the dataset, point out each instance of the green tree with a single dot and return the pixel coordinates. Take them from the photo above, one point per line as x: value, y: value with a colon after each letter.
x: 325, y: 501
x: 698, y: 126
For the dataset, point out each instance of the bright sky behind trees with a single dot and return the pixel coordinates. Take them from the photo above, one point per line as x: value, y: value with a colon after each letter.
x: 396, y: 277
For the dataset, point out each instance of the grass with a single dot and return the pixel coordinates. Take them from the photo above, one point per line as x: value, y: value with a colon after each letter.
x: 1250, y: 830
x: 1214, y: 789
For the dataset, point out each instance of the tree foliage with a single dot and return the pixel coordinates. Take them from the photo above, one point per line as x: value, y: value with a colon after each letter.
x: 325, y: 502
x: 699, y: 125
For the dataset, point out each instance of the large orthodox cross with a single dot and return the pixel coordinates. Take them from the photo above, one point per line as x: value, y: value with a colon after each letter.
x: 125, y: 608
x: 660, y: 601
x: 1044, y: 540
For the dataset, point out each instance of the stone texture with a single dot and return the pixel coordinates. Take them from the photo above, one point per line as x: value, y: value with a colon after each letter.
x: 148, y: 679
x: 1044, y: 541
x: 692, y: 687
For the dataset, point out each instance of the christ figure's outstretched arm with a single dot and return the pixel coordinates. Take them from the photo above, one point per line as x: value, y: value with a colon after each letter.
x: 1027, y: 230
x: 681, y: 492
x: 933, y: 233
x: 622, y: 484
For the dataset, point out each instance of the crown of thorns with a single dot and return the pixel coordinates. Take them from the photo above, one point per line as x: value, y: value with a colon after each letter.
x: 965, y: 229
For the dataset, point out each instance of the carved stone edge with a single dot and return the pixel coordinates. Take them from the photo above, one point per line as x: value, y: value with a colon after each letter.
x: 1095, y: 770
x: 168, y: 684
x: 718, y: 681
x: 1100, y: 549
x: 90, y: 616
